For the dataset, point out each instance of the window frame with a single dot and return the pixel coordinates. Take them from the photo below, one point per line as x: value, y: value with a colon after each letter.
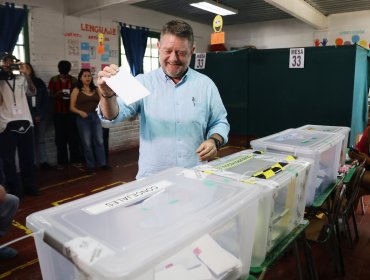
x: 25, y: 47
x: 151, y: 34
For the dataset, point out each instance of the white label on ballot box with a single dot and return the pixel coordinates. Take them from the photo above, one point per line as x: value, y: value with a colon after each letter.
x: 127, y: 198
x: 86, y: 250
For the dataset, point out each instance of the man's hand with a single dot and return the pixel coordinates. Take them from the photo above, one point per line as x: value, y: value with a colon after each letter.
x: 207, y: 150
x: 108, y: 71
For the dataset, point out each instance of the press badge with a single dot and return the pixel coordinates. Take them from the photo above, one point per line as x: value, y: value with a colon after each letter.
x: 33, y: 101
x: 16, y: 111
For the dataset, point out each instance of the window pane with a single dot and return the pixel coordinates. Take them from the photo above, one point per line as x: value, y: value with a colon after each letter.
x: 150, y: 62
x: 155, y: 52
x: 20, y: 38
x: 124, y: 63
x: 147, y: 50
x: 147, y: 65
x: 155, y: 64
x: 154, y: 42
x: 19, y: 49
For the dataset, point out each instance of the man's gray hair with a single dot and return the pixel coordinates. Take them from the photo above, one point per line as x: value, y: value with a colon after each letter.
x: 180, y: 29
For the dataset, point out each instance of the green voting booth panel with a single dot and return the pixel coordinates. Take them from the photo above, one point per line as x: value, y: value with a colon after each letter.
x: 263, y: 95
x: 281, y: 97
x: 229, y: 71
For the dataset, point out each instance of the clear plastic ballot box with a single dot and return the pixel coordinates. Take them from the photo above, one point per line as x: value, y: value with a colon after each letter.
x: 322, y: 147
x: 172, y: 225
x: 282, y: 180
x: 332, y: 129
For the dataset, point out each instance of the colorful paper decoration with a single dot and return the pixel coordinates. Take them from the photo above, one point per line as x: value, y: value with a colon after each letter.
x: 101, y: 43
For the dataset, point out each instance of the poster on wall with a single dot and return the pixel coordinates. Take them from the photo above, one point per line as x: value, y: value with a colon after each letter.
x: 90, y: 44
x: 359, y: 37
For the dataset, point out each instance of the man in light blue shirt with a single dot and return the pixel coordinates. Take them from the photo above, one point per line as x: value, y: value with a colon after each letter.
x: 183, y: 120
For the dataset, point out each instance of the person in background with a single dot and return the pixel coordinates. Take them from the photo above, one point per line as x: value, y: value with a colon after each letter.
x: 16, y: 127
x: 361, y: 153
x: 66, y: 134
x: 84, y: 100
x: 183, y: 120
x: 38, y: 106
x: 8, y: 207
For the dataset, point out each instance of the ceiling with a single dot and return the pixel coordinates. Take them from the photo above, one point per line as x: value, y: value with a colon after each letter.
x: 251, y: 10
x: 312, y: 12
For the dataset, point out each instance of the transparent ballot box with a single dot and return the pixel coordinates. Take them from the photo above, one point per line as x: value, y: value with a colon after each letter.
x: 172, y: 225
x: 332, y: 129
x: 282, y: 180
x: 322, y: 147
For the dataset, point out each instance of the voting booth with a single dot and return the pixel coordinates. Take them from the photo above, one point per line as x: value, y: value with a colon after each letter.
x: 332, y: 129
x: 176, y: 224
x: 282, y: 180
x: 322, y: 147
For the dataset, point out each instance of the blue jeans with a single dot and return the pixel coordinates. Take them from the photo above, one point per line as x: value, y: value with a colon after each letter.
x: 8, y: 208
x: 91, y: 135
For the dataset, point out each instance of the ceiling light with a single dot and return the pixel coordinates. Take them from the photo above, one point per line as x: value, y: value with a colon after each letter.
x: 215, y: 8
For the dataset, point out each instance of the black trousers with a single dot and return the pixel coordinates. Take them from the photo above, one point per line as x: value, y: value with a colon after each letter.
x: 24, y: 181
x: 67, y: 139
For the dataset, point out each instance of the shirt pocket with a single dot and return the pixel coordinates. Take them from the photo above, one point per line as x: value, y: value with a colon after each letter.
x: 199, y: 113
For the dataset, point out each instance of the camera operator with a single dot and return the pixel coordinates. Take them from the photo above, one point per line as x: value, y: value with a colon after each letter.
x: 16, y: 126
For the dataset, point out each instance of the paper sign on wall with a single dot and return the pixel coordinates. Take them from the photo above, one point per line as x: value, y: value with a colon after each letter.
x: 200, y: 61
x: 218, y: 38
x: 296, y: 58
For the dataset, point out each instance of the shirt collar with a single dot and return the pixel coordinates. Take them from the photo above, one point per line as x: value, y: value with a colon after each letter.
x: 166, y: 78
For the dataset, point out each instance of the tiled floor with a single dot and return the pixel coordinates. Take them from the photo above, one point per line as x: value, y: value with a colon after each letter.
x: 61, y: 186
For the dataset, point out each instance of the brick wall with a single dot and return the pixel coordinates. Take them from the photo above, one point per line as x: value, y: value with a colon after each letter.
x: 121, y: 137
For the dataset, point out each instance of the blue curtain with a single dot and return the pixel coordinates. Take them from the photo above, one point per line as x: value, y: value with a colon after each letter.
x: 11, y: 23
x: 360, y: 92
x: 134, y: 41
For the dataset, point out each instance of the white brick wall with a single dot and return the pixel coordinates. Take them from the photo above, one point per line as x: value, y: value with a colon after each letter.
x: 121, y: 137
x: 47, y: 25
x: 46, y: 29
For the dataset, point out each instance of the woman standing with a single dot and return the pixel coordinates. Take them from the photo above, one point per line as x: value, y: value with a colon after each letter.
x: 38, y: 105
x: 84, y: 100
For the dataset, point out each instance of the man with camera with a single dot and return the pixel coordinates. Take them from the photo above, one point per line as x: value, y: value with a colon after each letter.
x: 16, y: 127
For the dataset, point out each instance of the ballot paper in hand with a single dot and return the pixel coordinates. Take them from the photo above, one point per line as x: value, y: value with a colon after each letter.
x: 126, y: 86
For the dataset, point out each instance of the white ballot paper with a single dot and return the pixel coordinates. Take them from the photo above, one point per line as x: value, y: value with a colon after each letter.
x: 126, y: 86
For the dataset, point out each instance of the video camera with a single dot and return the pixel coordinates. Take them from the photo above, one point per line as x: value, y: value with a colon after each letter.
x: 13, y: 68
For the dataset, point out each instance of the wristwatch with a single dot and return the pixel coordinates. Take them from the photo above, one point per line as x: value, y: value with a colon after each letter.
x: 217, y: 142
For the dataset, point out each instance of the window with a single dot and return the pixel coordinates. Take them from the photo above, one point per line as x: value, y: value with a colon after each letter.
x: 21, y: 50
x: 151, y: 57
